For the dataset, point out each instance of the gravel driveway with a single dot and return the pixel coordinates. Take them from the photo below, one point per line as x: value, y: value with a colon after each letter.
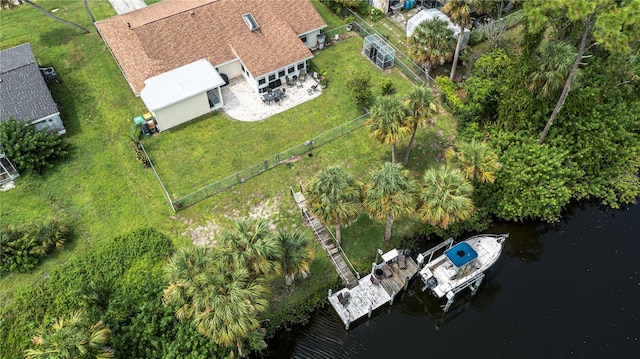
x: 125, y: 6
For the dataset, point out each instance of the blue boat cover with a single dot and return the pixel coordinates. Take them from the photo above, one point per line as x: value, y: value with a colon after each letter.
x: 461, y: 254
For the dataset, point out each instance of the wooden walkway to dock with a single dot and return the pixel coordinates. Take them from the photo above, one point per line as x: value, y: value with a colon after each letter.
x: 334, y: 252
x: 363, y: 299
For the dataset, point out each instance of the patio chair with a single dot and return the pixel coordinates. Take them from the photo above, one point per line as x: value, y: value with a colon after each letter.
x: 401, y: 262
x: 375, y: 280
x: 303, y: 75
x: 386, y: 270
x: 289, y: 80
x: 342, y: 299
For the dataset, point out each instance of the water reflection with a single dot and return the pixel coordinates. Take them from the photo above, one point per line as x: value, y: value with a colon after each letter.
x: 562, y: 290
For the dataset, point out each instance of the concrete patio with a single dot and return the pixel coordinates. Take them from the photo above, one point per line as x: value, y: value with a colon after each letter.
x: 242, y: 103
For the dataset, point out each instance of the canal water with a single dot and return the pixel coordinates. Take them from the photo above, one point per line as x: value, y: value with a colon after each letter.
x: 565, y: 290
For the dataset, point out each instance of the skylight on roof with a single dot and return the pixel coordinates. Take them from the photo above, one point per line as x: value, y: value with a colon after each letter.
x: 250, y: 21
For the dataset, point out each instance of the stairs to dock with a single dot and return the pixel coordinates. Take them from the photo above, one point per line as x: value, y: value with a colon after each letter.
x: 331, y: 247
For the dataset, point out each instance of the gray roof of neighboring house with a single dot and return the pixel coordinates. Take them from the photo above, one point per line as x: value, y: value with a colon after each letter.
x: 25, y: 95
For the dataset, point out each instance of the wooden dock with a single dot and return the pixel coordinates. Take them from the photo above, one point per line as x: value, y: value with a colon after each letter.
x: 325, y: 238
x: 363, y: 299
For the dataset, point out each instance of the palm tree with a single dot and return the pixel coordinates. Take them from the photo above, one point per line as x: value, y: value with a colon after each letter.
x: 70, y: 338
x: 50, y: 15
x: 555, y: 59
x: 476, y: 160
x: 420, y: 103
x: 252, y: 244
x: 459, y: 11
x: 445, y: 197
x: 222, y: 301
x: 297, y: 255
x: 432, y: 43
x: 333, y: 196
x: 389, y: 194
x: 387, y: 123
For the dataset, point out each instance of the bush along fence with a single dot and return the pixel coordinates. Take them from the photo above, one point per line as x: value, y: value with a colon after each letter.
x: 403, y: 62
x: 240, y: 177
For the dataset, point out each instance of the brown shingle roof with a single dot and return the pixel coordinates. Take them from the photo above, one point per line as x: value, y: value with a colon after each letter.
x: 173, y: 33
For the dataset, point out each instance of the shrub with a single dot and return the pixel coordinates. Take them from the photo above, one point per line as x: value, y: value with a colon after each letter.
x: 447, y: 89
x: 359, y: 84
x: 386, y: 87
x: 22, y: 247
x: 30, y: 150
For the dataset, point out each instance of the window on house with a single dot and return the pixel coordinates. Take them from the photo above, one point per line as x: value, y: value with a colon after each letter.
x: 303, y: 38
x: 301, y: 66
x: 281, y: 73
x: 262, y: 81
x: 291, y: 70
x: 250, y: 21
x: 272, y: 77
x: 242, y: 67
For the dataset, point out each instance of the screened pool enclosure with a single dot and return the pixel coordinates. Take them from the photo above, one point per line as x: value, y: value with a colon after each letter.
x: 378, y: 51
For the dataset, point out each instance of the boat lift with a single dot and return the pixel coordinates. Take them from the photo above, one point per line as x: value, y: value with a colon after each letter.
x: 473, y: 282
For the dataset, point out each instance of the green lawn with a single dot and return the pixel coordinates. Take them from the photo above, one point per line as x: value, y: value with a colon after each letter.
x: 214, y: 147
x: 103, y: 191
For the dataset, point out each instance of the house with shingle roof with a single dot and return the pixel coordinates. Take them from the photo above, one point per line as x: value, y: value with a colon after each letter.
x: 176, y: 54
x: 25, y: 95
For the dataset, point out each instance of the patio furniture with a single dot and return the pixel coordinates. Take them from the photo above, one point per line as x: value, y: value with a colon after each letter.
x: 303, y: 75
x: 401, y: 262
x: 298, y: 84
x: 374, y: 279
x: 290, y: 81
x: 274, y: 95
x: 386, y: 270
x: 342, y: 299
x: 312, y: 89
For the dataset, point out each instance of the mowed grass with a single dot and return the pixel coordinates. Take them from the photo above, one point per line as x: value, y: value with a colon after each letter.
x: 103, y: 191
x: 99, y: 188
x: 200, y: 152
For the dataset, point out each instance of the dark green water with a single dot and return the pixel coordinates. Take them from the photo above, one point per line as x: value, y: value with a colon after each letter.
x: 569, y: 290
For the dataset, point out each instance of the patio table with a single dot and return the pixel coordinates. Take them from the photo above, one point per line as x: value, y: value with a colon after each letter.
x: 273, y: 95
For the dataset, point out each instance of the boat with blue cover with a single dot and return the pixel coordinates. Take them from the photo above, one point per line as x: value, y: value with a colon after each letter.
x: 461, y: 266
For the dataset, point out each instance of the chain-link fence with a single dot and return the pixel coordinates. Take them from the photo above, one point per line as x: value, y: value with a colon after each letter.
x: 280, y: 158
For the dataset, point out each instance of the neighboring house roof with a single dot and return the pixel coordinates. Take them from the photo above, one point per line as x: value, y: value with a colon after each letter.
x: 176, y: 85
x: 430, y: 14
x: 173, y: 33
x: 25, y: 95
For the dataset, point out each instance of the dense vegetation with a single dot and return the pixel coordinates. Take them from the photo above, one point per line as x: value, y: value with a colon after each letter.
x: 593, y: 148
x: 30, y: 150
x: 22, y: 246
x: 117, y: 274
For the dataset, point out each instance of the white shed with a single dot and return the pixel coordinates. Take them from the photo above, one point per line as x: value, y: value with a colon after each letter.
x: 428, y: 14
x: 183, y: 94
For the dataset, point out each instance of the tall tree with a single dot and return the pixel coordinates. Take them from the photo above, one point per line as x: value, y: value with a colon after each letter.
x: 445, y: 197
x: 333, y: 196
x: 432, y: 43
x: 222, y: 301
x: 252, y: 244
x: 555, y: 59
x: 52, y: 16
x: 459, y: 11
x: 389, y: 194
x: 609, y: 23
x: 387, y: 123
x: 297, y: 255
x: 422, y: 108
x: 70, y: 338
x: 567, y: 85
x: 476, y: 160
